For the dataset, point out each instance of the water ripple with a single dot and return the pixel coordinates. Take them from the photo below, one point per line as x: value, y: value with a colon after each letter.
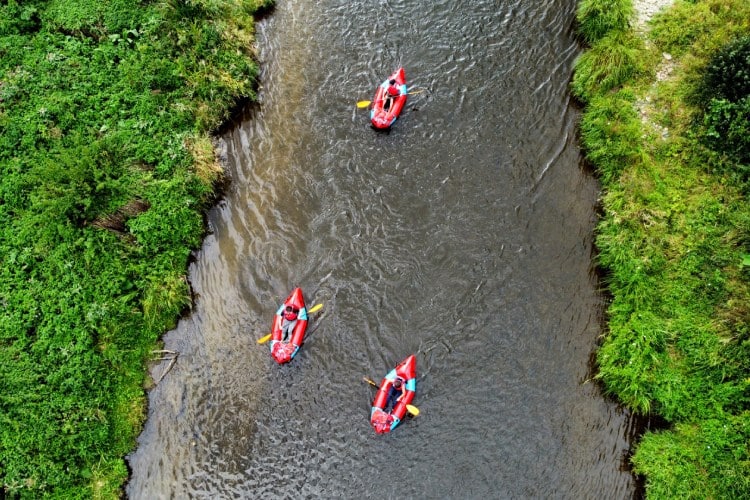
x: 464, y: 235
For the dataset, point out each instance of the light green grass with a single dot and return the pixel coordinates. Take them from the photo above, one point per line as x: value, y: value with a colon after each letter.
x: 671, y: 244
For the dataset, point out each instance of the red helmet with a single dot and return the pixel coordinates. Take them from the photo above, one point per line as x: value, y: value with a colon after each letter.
x: 290, y: 313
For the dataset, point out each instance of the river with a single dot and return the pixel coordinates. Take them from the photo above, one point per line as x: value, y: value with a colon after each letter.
x: 464, y: 235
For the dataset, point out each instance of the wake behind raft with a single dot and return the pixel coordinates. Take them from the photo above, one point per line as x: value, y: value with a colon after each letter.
x: 390, y: 395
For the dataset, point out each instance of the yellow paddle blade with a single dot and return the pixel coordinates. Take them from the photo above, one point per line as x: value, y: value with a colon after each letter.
x: 363, y: 104
x: 315, y: 308
x: 265, y: 339
x: 369, y: 381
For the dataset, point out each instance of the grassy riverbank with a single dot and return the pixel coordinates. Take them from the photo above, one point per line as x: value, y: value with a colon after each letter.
x: 106, y: 169
x: 667, y: 126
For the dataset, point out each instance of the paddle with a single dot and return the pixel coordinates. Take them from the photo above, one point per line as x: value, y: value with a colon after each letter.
x: 413, y: 410
x: 315, y: 308
x: 364, y: 104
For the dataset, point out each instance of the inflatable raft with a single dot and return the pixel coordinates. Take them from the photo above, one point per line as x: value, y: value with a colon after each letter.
x: 384, y: 111
x: 284, y: 349
x: 382, y: 418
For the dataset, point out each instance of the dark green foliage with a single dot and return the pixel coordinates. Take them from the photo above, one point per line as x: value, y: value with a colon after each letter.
x: 100, y: 207
x: 726, y: 128
x: 724, y: 96
x: 20, y: 17
x: 727, y: 75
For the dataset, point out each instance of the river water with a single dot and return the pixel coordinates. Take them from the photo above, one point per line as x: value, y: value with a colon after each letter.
x: 464, y: 236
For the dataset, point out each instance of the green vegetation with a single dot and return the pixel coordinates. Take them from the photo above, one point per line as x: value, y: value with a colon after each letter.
x: 674, y: 239
x: 724, y: 95
x: 600, y: 18
x: 106, y: 168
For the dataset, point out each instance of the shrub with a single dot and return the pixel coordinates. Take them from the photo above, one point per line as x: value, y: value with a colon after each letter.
x: 727, y: 75
x: 724, y: 97
x: 726, y: 128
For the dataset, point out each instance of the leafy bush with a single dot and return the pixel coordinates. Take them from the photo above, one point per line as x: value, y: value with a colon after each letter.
x: 724, y: 94
x: 727, y: 75
x: 726, y: 128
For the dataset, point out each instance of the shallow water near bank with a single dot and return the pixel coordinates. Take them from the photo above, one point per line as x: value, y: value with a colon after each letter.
x: 464, y: 235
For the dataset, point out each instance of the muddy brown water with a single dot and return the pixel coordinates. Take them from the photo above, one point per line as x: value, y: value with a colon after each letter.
x: 464, y: 235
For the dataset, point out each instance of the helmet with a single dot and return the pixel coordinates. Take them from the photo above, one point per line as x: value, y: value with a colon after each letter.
x: 397, y: 383
x: 290, y: 313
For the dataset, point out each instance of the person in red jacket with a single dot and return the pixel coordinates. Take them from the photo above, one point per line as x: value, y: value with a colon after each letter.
x: 391, y: 92
x: 288, y: 322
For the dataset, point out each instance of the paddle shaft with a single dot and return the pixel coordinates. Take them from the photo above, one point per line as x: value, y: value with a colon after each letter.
x: 364, y: 104
x: 413, y: 410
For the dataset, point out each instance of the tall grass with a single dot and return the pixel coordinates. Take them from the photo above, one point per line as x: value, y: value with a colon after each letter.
x: 610, y: 62
x: 598, y: 18
x: 673, y: 239
x: 611, y: 130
